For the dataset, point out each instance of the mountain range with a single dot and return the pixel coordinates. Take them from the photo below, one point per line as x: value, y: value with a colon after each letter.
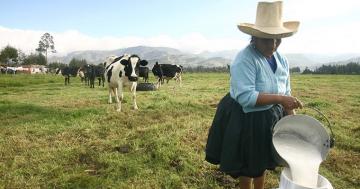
x: 166, y: 55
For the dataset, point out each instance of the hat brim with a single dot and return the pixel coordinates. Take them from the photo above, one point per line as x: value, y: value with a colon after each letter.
x: 288, y: 29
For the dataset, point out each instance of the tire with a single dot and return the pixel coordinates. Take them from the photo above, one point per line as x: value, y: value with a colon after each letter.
x: 145, y: 87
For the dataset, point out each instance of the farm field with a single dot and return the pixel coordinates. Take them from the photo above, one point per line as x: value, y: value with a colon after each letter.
x: 57, y: 136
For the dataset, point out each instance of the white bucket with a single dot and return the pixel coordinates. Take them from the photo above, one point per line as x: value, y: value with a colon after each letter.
x: 287, y: 183
x: 304, y: 142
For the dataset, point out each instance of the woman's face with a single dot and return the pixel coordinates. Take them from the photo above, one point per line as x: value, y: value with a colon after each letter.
x: 267, y: 47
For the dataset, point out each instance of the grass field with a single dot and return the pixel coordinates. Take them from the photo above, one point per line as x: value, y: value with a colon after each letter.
x: 56, y: 136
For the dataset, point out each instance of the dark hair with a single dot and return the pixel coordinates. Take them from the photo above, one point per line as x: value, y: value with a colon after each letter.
x: 252, y: 39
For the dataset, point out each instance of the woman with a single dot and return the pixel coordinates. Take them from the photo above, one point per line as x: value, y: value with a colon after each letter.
x: 240, y: 138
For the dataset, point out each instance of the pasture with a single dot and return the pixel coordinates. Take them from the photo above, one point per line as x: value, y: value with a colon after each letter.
x: 57, y: 136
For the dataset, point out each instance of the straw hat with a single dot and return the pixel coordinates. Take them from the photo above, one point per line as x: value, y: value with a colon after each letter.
x: 269, y: 22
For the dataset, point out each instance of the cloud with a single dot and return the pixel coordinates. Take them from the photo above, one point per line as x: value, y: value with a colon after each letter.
x: 73, y: 40
x: 333, y: 38
x: 310, y: 10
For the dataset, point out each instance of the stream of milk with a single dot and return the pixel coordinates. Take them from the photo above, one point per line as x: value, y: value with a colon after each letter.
x: 302, y: 157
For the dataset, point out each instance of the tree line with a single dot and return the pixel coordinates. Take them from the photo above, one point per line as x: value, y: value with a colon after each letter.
x: 197, y: 69
x: 10, y: 56
x: 352, y: 68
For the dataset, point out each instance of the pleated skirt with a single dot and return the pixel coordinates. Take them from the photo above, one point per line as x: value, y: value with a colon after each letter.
x: 241, y: 143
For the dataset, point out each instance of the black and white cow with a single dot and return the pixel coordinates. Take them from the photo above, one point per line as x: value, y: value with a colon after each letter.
x: 121, y: 71
x: 144, y: 73
x: 69, y: 71
x: 167, y: 71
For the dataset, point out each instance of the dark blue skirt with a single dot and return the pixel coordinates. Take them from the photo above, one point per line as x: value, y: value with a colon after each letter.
x: 242, y: 142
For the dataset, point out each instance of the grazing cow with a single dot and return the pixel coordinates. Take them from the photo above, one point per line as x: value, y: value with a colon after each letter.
x: 69, y: 71
x: 118, y: 72
x: 144, y: 73
x: 167, y: 71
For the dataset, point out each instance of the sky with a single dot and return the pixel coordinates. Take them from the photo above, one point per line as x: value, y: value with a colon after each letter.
x: 326, y: 26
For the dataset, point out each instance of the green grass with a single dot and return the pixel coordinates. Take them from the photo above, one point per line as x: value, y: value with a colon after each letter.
x: 56, y: 136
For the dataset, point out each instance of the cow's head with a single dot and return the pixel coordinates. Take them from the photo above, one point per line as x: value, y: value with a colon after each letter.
x: 157, y: 71
x: 132, y: 66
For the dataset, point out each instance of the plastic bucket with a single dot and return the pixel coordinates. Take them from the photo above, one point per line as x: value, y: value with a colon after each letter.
x: 304, y: 142
x: 287, y: 183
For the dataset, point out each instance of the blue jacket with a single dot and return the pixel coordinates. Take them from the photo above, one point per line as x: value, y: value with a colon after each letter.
x: 251, y: 74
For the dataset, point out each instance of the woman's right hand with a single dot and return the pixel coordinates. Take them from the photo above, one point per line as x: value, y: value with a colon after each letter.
x: 290, y: 102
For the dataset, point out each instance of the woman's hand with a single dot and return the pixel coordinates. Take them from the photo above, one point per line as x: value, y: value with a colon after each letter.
x: 290, y: 102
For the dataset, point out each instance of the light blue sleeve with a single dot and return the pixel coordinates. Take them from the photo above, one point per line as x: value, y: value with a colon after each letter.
x: 288, y: 88
x: 243, y: 75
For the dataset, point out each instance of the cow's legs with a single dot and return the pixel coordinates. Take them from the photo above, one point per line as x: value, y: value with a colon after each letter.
x: 119, y: 93
x: 133, y: 90
x: 67, y: 80
x: 110, y: 99
x: 158, y: 84
x: 118, y: 101
x: 180, y: 80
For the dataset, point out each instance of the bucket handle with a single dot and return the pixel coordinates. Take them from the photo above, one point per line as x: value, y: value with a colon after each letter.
x: 332, y: 138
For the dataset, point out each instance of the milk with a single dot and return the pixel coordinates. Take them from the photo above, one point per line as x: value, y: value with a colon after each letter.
x: 302, y: 157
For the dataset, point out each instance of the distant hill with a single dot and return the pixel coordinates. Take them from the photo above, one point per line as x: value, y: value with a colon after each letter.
x: 354, y: 59
x: 166, y: 55
x: 229, y: 54
x: 163, y: 55
x: 300, y: 60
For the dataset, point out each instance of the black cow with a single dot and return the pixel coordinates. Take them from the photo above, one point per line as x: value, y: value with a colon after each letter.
x: 87, y: 69
x: 69, y: 71
x: 144, y: 73
x: 91, y: 74
x: 99, y: 74
x: 167, y: 71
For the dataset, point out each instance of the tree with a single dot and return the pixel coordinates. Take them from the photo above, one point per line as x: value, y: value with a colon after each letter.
x: 53, y: 66
x: 46, y: 44
x: 9, y: 55
x: 77, y: 63
x: 21, y: 56
x: 295, y: 70
x: 307, y: 71
x: 35, y: 59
